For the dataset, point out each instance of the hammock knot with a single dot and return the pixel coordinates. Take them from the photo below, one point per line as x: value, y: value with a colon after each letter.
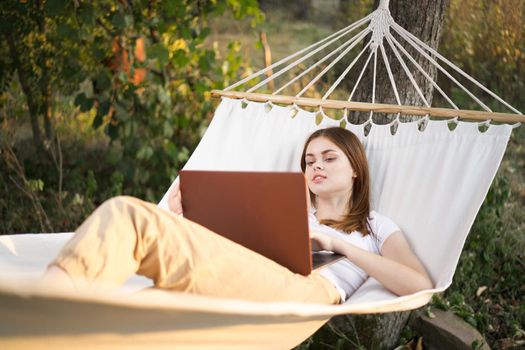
x: 380, y: 25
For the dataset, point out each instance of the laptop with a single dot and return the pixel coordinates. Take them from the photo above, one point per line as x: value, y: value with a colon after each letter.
x: 263, y: 211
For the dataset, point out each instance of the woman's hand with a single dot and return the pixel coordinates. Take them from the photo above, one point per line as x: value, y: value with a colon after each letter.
x: 321, y: 241
x: 175, y: 199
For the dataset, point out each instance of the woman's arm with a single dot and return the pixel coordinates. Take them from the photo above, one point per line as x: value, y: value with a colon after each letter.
x: 397, y: 269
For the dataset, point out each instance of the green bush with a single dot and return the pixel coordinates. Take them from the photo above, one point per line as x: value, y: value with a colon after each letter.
x: 77, y: 60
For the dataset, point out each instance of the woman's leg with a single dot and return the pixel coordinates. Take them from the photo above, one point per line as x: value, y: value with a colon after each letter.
x: 126, y: 235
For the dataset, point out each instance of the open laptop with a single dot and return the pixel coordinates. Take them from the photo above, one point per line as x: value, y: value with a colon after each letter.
x: 263, y: 211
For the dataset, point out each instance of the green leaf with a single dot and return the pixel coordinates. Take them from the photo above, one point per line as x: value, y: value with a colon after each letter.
x: 145, y: 152
x: 78, y: 199
x: 159, y: 52
x: 203, y: 34
x: 128, y: 20
x: 99, y: 53
x: 36, y: 185
x: 318, y: 118
x: 72, y: 67
x: 102, y: 81
x: 171, y: 149
x: 102, y: 111
x: 430, y: 314
x: 167, y: 129
x: 472, y: 321
x: 91, y: 184
x: 112, y: 130
x: 183, y: 155
x: 200, y: 87
x: 103, y: 107
x: 83, y: 102
x: 185, y: 32
x: 97, y: 122
x: 55, y: 7
x: 86, y: 13
x: 118, y: 20
x: 180, y: 58
x: 120, y: 112
x: 65, y: 31
x: 206, y: 61
x: 173, y: 8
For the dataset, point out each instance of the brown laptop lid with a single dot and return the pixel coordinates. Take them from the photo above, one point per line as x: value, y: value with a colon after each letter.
x: 263, y: 211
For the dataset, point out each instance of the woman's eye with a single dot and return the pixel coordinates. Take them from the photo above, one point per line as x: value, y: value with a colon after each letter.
x: 309, y: 163
x: 329, y: 159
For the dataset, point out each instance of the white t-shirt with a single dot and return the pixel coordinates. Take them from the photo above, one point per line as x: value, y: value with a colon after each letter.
x: 346, y: 276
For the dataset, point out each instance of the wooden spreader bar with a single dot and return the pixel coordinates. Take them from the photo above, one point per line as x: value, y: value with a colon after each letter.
x: 375, y: 107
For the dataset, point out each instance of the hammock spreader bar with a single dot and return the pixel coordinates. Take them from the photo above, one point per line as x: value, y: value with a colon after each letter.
x: 445, y: 113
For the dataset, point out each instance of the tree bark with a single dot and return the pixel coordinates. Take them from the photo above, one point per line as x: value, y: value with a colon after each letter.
x: 424, y: 19
x: 32, y: 101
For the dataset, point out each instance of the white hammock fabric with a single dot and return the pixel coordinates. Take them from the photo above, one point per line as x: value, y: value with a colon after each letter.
x: 430, y: 182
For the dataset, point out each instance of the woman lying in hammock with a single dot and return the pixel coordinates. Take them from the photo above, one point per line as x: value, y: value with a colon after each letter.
x: 126, y: 235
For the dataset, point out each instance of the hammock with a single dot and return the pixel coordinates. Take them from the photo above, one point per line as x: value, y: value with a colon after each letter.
x: 429, y: 179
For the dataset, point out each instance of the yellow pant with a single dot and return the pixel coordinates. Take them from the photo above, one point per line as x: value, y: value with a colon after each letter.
x: 126, y: 235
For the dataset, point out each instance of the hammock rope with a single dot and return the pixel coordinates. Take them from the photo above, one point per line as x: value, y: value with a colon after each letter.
x: 390, y: 75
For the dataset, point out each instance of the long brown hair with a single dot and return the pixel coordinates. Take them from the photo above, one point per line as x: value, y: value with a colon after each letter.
x: 356, y: 219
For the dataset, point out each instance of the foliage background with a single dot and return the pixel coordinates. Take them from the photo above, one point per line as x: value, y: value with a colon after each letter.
x: 111, y: 120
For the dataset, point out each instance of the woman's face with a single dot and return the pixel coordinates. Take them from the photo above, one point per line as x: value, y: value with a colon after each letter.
x: 328, y: 170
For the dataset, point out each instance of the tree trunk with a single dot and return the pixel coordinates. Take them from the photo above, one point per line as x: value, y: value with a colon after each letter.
x: 424, y: 19
x: 377, y: 331
x: 36, y: 86
x: 32, y: 101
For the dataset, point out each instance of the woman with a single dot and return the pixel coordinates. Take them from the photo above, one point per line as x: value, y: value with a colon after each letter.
x: 126, y: 235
